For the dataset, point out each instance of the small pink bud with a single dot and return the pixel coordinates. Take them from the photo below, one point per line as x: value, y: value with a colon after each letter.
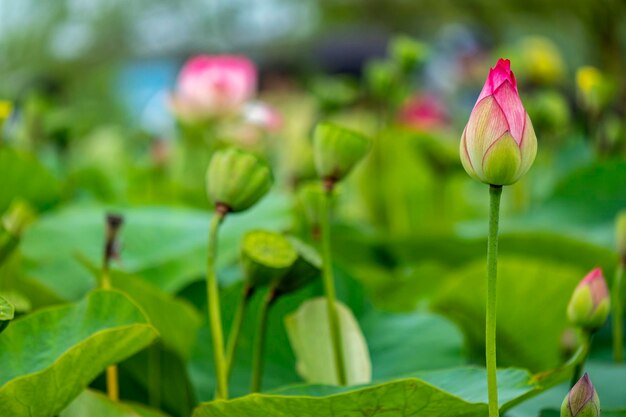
x: 582, y: 400
x: 210, y: 86
x: 498, y: 145
x: 590, y: 303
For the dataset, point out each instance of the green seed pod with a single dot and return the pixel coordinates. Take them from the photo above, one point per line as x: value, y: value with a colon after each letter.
x: 236, y: 179
x: 304, y: 270
x: 582, y: 400
x: 266, y: 257
x: 620, y: 234
x: 337, y: 150
x: 590, y: 303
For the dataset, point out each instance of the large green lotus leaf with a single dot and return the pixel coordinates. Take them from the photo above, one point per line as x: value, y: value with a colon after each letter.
x: 532, y: 300
x: 49, y: 357
x: 7, y: 311
x: 450, y: 392
x: 176, y: 320
x: 25, y: 178
x: 165, y: 245
x: 309, y: 334
x: 95, y: 404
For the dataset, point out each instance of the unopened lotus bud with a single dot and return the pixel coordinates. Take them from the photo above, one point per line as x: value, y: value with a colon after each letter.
x: 620, y: 234
x: 590, y: 303
x: 498, y: 145
x: 304, y: 270
x: 266, y: 257
x: 582, y: 400
x: 237, y: 179
x: 337, y: 150
x: 407, y: 52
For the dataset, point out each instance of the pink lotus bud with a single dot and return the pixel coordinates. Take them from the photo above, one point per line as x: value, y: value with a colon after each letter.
x: 590, y: 303
x: 499, y: 143
x: 264, y: 116
x: 210, y: 86
x: 424, y: 113
x: 582, y: 400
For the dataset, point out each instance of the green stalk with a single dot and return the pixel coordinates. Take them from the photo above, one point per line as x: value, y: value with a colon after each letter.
x: 259, y: 345
x: 154, y: 376
x: 329, y: 288
x: 495, y: 192
x: 213, y: 300
x: 235, y: 328
x: 618, y: 326
x: 586, y: 337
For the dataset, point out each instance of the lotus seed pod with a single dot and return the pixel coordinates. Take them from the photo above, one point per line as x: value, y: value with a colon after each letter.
x: 304, y: 270
x: 237, y: 179
x: 311, y: 198
x: 620, y: 234
x: 498, y: 145
x: 266, y: 257
x: 337, y: 150
x: 590, y: 303
x: 582, y: 400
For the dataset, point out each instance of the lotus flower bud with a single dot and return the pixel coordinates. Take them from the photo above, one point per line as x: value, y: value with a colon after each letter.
x: 266, y: 257
x: 211, y: 86
x: 237, y: 179
x: 498, y: 145
x: 304, y: 270
x: 589, y: 306
x: 582, y: 400
x: 337, y: 150
x: 620, y: 234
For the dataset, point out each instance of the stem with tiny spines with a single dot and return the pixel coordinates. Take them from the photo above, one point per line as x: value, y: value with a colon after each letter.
x: 329, y: 287
x: 586, y: 337
x: 213, y: 308
x: 618, y: 326
x: 235, y: 328
x: 495, y: 193
x: 259, y: 345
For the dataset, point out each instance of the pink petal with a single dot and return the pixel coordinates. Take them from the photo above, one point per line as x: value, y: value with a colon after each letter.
x: 513, y: 110
x: 498, y: 75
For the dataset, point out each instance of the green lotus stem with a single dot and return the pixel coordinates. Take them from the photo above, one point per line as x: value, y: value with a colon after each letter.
x: 329, y: 288
x: 154, y: 376
x: 586, y: 338
x: 495, y: 193
x: 259, y: 344
x: 214, y: 311
x: 618, y: 326
x: 235, y: 328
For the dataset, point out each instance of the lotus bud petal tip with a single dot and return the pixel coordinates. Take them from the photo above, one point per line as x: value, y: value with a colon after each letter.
x: 498, y: 144
x: 582, y: 400
x: 237, y: 179
x: 589, y: 305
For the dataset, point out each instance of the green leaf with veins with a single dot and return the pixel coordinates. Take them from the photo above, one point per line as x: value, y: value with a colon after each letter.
x: 92, y: 403
x: 49, y: 357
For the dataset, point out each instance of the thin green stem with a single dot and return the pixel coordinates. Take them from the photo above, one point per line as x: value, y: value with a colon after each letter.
x: 259, y: 344
x: 154, y: 376
x: 235, y: 328
x: 329, y: 288
x: 586, y: 338
x: 492, y: 277
x: 214, y: 311
x: 618, y: 325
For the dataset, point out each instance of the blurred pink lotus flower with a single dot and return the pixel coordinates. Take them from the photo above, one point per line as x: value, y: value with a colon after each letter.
x: 263, y: 115
x: 498, y: 145
x: 213, y: 85
x: 423, y: 113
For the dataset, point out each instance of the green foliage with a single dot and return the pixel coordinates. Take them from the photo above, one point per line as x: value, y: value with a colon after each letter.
x: 94, y: 404
x: 73, y: 342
